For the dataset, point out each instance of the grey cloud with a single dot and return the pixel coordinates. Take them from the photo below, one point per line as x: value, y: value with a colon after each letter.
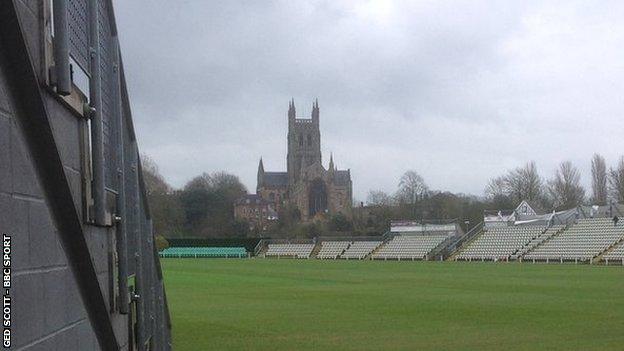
x: 459, y: 91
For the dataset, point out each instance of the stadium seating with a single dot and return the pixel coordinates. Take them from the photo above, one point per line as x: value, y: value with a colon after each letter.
x: 500, y: 243
x: 581, y: 242
x: 290, y: 250
x: 411, y: 247
x: 616, y: 255
x: 587, y: 240
x: 550, y: 232
x: 360, y: 249
x: 332, y: 249
x: 203, y: 252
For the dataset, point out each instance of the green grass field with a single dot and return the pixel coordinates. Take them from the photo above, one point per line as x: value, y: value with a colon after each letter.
x: 268, y: 304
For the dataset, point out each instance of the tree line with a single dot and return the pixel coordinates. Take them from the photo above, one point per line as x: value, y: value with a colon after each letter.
x: 563, y: 190
x: 203, y: 207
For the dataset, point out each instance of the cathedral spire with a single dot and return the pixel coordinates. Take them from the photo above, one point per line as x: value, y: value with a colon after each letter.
x: 331, y: 161
x: 260, y: 176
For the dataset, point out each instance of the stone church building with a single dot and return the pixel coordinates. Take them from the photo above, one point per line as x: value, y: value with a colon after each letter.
x: 306, y: 184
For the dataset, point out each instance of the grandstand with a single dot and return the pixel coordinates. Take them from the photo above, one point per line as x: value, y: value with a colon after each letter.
x: 580, y: 242
x: 557, y: 237
x: 203, y: 252
x: 290, y: 250
x: 500, y: 243
x: 360, y: 249
x: 410, y: 247
x: 615, y: 255
x: 332, y: 249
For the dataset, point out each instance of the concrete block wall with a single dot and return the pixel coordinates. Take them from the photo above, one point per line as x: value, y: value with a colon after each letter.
x: 48, y: 311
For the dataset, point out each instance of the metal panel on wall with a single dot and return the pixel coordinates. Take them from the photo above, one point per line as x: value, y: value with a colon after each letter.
x: 108, y: 101
x: 79, y: 32
x: 131, y: 190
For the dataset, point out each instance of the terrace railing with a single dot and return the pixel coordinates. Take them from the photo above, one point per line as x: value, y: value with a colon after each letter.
x: 438, y: 252
x: 259, y: 246
x: 460, y: 241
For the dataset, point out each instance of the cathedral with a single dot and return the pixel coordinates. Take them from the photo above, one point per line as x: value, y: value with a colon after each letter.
x: 306, y: 184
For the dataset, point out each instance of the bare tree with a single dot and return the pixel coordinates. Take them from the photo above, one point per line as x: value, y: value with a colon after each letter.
x: 167, y: 213
x: 412, y: 188
x: 378, y: 198
x: 496, y: 188
x: 565, y: 188
x: 524, y: 183
x: 154, y: 181
x: 616, y: 181
x: 599, y: 180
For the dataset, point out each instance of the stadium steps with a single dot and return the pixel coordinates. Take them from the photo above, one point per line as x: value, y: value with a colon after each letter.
x: 559, y: 232
x: 465, y: 245
x: 262, y: 251
x: 599, y: 258
x: 518, y: 255
x: 437, y: 251
x: 386, y: 239
x: 315, y: 250
x: 345, y: 250
x: 383, y: 244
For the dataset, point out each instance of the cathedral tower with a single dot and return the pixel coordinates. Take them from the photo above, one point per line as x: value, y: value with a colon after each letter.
x: 307, y: 185
x: 304, y: 141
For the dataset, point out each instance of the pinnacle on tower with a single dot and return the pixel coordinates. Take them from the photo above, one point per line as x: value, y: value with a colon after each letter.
x: 291, y: 109
x: 315, y: 110
x: 260, y: 175
x: 331, y: 162
x: 315, y: 105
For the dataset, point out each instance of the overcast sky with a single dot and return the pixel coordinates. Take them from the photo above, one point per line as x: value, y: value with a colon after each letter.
x: 459, y: 91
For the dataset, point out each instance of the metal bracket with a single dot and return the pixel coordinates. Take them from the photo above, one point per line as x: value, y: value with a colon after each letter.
x: 89, y: 111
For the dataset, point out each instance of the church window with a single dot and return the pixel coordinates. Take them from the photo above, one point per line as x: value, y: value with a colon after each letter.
x: 309, y: 140
x: 317, y: 198
x: 300, y: 139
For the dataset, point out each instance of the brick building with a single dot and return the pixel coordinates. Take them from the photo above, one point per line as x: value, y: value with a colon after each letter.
x: 257, y: 211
